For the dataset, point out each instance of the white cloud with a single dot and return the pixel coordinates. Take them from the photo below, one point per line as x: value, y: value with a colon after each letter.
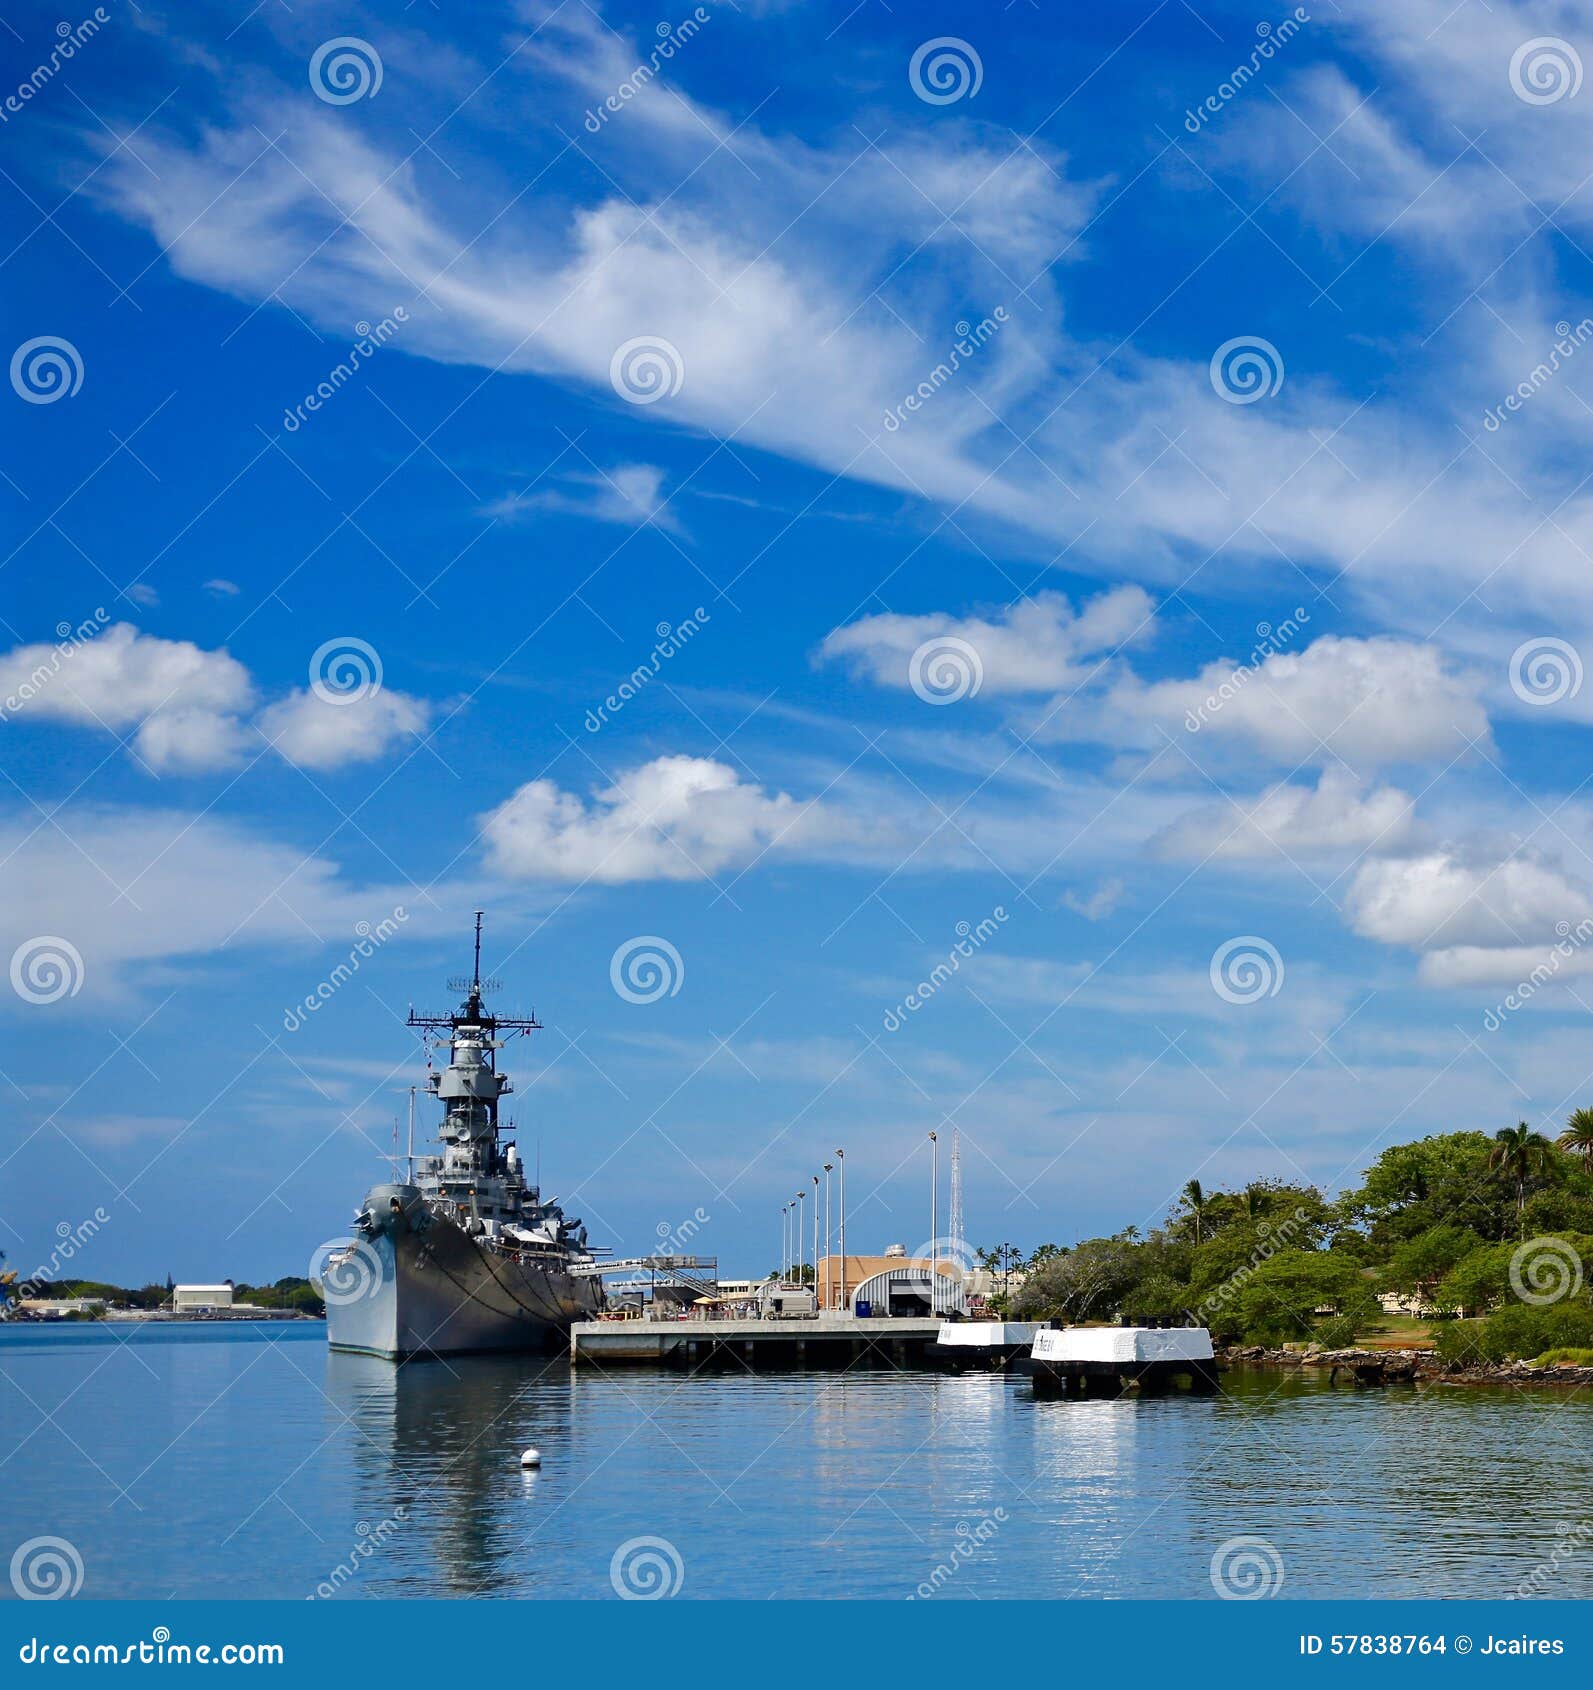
x: 630, y: 494
x: 1370, y: 702
x: 134, y: 891
x: 1097, y: 905
x: 1443, y: 901
x: 187, y: 703
x: 191, y: 741
x: 183, y: 699
x: 222, y: 588
x: 1038, y: 644
x: 1334, y: 818
x: 675, y: 818
x: 317, y: 733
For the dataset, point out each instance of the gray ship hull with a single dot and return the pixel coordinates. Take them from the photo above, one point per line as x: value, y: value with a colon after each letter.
x: 431, y: 1290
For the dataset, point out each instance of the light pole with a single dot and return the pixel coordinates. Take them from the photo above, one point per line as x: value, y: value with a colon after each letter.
x: 829, y: 1288
x: 785, y: 1245
x: 840, y: 1157
x: 934, y: 1180
x: 799, y: 1244
x: 815, y: 1242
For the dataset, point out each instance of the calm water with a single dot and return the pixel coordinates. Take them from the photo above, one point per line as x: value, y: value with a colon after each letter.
x: 206, y: 1461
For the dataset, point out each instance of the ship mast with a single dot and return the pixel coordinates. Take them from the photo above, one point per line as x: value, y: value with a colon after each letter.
x: 471, y: 1086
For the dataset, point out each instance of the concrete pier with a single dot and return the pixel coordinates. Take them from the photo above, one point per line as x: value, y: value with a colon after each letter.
x: 834, y: 1341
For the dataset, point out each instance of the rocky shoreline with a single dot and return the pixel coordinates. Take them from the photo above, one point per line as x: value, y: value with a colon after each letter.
x: 1391, y: 1367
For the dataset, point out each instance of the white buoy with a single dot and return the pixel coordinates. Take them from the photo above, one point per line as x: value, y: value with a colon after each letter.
x: 531, y: 1458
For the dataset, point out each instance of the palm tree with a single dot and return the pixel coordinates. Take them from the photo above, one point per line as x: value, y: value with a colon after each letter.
x: 1195, y: 1202
x: 1578, y: 1135
x: 1518, y: 1153
x: 1257, y: 1202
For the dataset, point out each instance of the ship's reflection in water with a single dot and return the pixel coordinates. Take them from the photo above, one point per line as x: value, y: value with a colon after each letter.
x: 441, y: 1441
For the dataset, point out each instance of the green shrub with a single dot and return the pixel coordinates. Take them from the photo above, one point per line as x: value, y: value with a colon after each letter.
x: 1566, y: 1356
x: 1517, y: 1332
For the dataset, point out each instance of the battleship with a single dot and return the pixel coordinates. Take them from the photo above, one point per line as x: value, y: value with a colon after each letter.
x: 464, y: 1255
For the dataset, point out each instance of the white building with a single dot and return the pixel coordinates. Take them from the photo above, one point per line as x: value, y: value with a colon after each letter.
x: 201, y: 1299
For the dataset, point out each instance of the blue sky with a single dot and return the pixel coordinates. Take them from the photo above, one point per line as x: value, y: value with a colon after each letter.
x: 1207, y: 448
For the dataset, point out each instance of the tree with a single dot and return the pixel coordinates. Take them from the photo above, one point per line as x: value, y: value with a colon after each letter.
x: 1086, y: 1284
x: 1441, y: 1180
x: 1255, y: 1203
x: 1419, y: 1264
x: 1000, y: 1263
x: 1284, y: 1298
x: 1518, y: 1155
x: 1578, y: 1136
x: 1195, y: 1205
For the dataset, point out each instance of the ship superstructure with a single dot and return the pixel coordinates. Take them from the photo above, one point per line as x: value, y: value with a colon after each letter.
x: 465, y: 1254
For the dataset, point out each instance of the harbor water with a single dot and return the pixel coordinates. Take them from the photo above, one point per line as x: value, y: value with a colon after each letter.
x: 212, y: 1460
